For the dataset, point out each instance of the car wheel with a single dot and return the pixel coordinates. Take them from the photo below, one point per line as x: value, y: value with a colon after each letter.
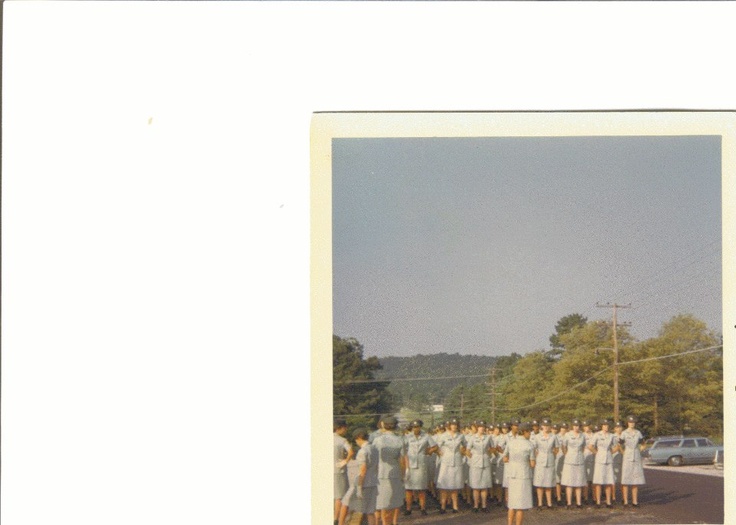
x: 675, y: 461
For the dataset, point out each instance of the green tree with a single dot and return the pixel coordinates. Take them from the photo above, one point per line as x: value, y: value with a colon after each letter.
x: 681, y: 394
x: 582, y: 382
x: 564, y: 326
x: 523, y: 390
x: 356, y: 395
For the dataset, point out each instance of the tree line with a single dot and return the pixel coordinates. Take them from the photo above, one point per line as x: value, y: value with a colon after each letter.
x: 669, y: 393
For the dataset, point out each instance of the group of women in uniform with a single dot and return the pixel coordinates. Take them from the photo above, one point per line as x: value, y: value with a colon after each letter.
x: 507, y: 463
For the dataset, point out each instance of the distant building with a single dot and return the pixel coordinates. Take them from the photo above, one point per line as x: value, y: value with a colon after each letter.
x: 438, y: 408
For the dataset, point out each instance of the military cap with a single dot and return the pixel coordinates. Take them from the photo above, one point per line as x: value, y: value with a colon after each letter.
x: 596, y: 428
x: 631, y: 418
x: 515, y: 421
x: 360, y: 432
x: 619, y: 424
x: 505, y: 425
x: 585, y: 423
x: 416, y: 423
x: 525, y: 427
x: 453, y: 421
x: 546, y: 421
x: 534, y: 422
x: 481, y: 423
x: 575, y: 422
x: 564, y: 425
x: 605, y: 421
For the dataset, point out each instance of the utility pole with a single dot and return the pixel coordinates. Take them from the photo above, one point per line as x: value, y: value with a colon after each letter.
x: 615, y: 352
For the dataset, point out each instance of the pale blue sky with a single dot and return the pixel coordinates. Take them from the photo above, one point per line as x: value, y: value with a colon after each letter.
x: 479, y: 245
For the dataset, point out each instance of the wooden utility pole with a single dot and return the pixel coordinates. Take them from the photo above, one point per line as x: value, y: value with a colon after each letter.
x: 615, y: 353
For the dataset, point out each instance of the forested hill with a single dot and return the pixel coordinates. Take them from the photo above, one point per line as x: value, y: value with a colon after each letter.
x: 472, y: 369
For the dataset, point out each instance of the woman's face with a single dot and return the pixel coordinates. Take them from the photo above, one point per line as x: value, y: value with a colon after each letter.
x: 576, y: 428
x: 453, y: 427
x: 604, y: 428
x: 632, y: 424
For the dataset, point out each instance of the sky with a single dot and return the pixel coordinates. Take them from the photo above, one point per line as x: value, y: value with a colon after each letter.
x: 480, y: 245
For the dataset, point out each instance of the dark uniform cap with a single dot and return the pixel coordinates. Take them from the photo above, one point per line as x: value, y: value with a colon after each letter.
x: 554, y: 427
x: 564, y: 425
x: 631, y: 418
x: 480, y: 423
x: 416, y: 423
x: 516, y: 421
x: 454, y: 421
x: 596, y: 428
x: 605, y: 421
x: 585, y: 423
x: 360, y: 432
x: 546, y: 421
x: 525, y: 427
x: 619, y: 424
x: 575, y: 422
x: 534, y: 422
x: 504, y: 425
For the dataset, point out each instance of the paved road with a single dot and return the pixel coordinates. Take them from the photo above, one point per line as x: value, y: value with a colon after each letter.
x: 671, y: 496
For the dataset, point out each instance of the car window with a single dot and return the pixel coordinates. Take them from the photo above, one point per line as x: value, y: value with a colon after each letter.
x: 688, y: 443
x: 667, y: 443
x: 702, y: 442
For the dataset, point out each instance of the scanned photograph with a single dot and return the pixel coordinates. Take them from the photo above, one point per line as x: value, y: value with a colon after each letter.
x: 526, y: 315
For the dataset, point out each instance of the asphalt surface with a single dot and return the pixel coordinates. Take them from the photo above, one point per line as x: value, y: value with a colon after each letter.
x: 672, y: 495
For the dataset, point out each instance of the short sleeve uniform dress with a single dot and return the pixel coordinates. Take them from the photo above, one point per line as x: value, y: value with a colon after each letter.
x: 342, y: 448
x: 544, y: 470
x: 390, y: 449
x: 479, y: 477
x: 450, y: 475
x: 416, y: 454
x: 519, y: 451
x: 573, y: 469
x: 632, y: 470
x: 604, y: 443
x: 368, y: 456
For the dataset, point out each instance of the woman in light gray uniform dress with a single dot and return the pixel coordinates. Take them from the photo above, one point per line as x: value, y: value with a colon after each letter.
x: 632, y: 471
x: 546, y: 447
x: 602, y: 445
x: 450, y: 477
x: 573, y: 471
x: 391, y: 467
x: 419, y: 446
x: 519, y: 458
x: 479, y: 461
